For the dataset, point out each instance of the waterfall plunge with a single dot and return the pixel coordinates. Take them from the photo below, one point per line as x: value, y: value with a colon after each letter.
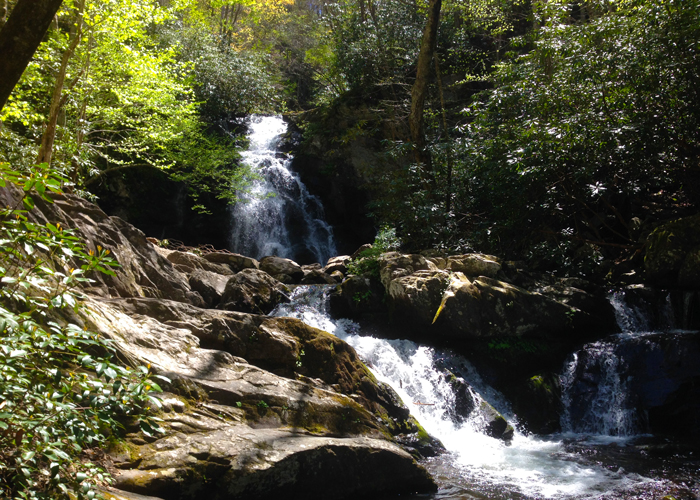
x: 279, y: 217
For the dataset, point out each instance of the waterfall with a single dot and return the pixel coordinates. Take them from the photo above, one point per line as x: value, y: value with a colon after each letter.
x: 613, y: 386
x: 476, y: 466
x: 279, y: 216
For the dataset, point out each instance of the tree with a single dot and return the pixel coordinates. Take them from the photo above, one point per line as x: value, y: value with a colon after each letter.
x: 420, y: 86
x: 19, y: 38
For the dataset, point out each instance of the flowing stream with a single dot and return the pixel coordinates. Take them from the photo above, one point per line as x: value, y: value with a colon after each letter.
x: 598, y: 456
x: 279, y: 216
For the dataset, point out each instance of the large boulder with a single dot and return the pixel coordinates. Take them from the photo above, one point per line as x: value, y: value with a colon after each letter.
x: 254, y: 291
x: 188, y: 262
x: 236, y: 262
x: 474, y: 264
x: 280, y: 267
x: 673, y: 254
x: 253, y: 433
x: 211, y: 286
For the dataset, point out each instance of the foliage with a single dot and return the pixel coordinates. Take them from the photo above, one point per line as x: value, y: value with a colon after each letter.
x: 366, y: 261
x: 595, y: 126
x: 61, y: 390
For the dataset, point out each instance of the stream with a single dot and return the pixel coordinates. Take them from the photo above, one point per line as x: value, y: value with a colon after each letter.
x: 605, y: 449
x: 605, y: 453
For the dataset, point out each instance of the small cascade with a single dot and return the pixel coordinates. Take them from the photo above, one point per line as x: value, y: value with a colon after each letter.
x: 476, y: 465
x: 279, y: 217
x: 613, y: 387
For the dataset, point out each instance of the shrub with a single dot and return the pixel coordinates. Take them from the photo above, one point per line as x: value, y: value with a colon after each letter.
x: 60, y: 388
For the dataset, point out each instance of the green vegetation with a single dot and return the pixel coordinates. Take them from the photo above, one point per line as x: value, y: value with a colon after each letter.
x: 366, y: 261
x: 555, y: 131
x: 61, y: 389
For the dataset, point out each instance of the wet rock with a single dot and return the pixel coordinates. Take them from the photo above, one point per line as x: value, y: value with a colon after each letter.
x: 275, y: 266
x: 357, y: 296
x: 254, y: 291
x: 537, y: 402
x: 493, y: 423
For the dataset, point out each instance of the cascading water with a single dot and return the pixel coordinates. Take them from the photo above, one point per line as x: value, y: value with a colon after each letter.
x: 477, y: 466
x: 279, y: 217
x: 614, y: 386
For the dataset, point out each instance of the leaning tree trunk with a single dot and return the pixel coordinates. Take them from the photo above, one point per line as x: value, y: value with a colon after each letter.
x: 420, y: 87
x: 19, y: 38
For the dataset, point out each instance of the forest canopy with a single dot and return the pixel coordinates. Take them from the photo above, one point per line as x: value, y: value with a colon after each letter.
x: 555, y: 130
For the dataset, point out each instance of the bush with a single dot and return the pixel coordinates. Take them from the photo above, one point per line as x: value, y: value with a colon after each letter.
x: 60, y: 388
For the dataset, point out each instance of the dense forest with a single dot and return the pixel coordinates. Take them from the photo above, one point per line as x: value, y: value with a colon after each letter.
x: 557, y: 132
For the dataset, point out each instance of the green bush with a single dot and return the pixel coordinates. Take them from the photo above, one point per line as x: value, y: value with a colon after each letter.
x: 61, y: 391
x: 366, y: 262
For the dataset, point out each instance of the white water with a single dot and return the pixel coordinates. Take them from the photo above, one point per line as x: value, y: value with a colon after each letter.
x: 279, y: 217
x: 530, y: 467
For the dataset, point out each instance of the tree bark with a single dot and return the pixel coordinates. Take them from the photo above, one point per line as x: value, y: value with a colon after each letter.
x: 58, y: 98
x: 420, y: 87
x: 19, y: 38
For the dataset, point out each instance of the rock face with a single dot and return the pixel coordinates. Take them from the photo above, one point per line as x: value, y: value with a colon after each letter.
x: 285, y: 270
x: 254, y: 291
x: 256, y: 407
x: 461, y: 296
x: 672, y: 258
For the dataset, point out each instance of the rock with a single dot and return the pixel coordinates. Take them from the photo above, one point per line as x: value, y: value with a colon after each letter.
x: 142, y: 272
x: 255, y: 433
x: 394, y: 265
x: 337, y: 276
x: 492, y: 308
x: 416, y: 297
x: 357, y: 253
x: 339, y: 263
x: 115, y: 494
x: 275, y: 266
x: 538, y: 403
x: 235, y: 261
x: 493, y: 423
x: 473, y: 264
x: 356, y: 296
x: 188, y: 262
x: 317, y: 277
x: 240, y: 463
x: 252, y: 290
x: 210, y: 286
x: 255, y: 406
x: 673, y: 254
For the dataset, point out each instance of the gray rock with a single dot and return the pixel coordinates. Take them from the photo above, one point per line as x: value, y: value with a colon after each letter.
x: 339, y: 263
x: 210, y: 286
x: 235, y: 261
x: 474, y: 264
x: 277, y: 265
x: 253, y: 291
x: 188, y: 262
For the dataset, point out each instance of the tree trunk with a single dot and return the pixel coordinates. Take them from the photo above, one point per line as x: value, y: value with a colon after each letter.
x: 420, y: 87
x: 58, y: 98
x: 19, y: 38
